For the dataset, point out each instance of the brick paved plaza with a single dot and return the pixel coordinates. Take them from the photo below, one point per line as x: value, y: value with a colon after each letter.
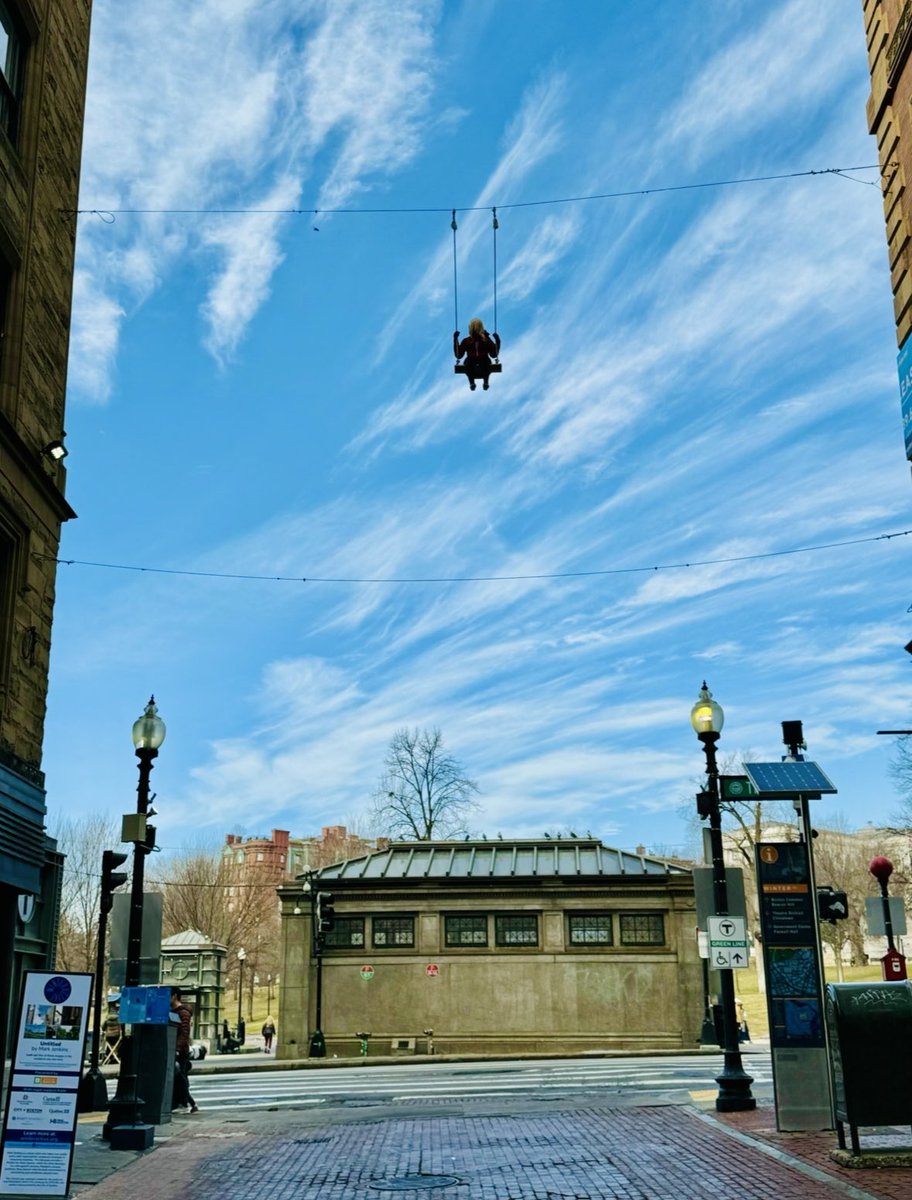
x: 666, y: 1152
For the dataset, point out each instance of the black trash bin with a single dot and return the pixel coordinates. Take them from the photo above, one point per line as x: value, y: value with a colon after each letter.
x: 870, y: 1035
x: 155, y: 1050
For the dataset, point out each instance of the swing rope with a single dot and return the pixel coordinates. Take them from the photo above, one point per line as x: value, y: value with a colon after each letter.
x: 495, y: 226
x: 453, y: 226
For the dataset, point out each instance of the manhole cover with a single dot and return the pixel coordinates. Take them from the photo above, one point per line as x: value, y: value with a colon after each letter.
x: 409, y: 1183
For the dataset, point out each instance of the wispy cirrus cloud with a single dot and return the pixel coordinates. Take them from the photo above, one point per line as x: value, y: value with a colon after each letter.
x: 335, y: 94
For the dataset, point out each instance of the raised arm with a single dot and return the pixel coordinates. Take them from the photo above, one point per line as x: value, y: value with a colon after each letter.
x: 456, y: 349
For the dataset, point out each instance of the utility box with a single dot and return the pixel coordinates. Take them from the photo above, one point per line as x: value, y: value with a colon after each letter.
x: 402, y: 1045
x: 870, y: 1036
x: 155, y: 1053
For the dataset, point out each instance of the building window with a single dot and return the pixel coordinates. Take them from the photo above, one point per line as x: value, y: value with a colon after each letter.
x: 347, y: 933
x: 239, y: 857
x: 590, y: 929
x: 260, y: 856
x: 12, y: 53
x: 516, y: 929
x: 466, y: 931
x: 642, y: 929
x: 394, y: 931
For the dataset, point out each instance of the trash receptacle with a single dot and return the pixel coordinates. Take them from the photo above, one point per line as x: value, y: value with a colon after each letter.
x: 870, y: 1036
x: 155, y: 1050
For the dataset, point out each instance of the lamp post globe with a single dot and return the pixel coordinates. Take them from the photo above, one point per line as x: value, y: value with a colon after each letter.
x: 149, y: 729
x: 707, y: 715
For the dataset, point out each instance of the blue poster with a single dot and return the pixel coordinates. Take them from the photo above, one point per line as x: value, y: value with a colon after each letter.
x: 904, y: 365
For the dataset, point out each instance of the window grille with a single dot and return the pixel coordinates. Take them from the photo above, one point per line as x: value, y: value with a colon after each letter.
x: 347, y: 933
x: 642, y: 929
x: 393, y: 931
x: 466, y: 930
x: 519, y: 929
x: 591, y: 929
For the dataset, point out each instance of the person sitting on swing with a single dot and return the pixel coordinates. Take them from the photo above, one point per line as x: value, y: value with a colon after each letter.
x: 478, y: 349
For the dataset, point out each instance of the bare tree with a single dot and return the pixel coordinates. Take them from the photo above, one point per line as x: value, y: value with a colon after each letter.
x: 202, y: 890
x: 82, y: 840
x: 901, y: 774
x: 424, y: 792
x: 841, y: 857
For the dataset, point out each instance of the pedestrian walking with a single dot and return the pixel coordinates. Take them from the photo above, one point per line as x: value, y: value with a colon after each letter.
x: 182, y: 1100
x: 268, y: 1033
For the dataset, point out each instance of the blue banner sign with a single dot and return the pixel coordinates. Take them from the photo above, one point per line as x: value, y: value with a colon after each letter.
x: 904, y: 365
x: 145, y: 1006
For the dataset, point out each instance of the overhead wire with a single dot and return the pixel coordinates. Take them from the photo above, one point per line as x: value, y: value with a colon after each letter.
x: 530, y: 578
x: 109, y: 214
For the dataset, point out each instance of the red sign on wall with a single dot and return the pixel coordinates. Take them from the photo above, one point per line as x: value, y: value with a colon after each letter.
x: 432, y: 970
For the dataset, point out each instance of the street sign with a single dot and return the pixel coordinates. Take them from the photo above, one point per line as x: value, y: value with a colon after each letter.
x: 367, y: 972
x: 904, y: 366
x: 736, y: 787
x: 728, y: 949
x: 874, y: 915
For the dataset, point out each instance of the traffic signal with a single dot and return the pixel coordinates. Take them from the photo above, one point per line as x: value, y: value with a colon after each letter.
x: 832, y: 905
x: 326, y: 913
x: 111, y: 878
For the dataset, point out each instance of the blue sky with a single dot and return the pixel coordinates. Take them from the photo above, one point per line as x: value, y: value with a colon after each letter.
x: 688, y: 376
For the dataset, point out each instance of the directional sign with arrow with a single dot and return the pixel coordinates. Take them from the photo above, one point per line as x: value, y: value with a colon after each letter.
x: 728, y: 947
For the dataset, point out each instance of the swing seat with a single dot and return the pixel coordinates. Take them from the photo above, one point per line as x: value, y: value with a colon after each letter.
x: 463, y: 369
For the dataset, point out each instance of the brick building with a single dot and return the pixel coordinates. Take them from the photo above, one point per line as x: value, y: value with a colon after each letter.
x: 281, y: 856
x: 559, y: 946
x: 43, y: 59
x: 888, y: 32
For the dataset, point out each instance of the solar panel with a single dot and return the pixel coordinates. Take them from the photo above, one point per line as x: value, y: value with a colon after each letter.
x: 782, y: 779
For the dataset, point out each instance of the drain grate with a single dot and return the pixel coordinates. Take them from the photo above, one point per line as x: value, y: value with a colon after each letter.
x: 411, y: 1183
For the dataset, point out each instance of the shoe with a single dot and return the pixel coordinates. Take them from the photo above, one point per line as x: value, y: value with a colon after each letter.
x: 472, y: 386
x: 486, y: 386
x: 193, y: 1109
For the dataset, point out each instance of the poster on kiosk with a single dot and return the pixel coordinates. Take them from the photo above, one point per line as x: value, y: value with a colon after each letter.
x: 39, y: 1124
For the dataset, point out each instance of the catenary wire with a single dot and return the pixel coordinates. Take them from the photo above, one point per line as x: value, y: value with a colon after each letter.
x: 543, y: 576
x: 105, y: 213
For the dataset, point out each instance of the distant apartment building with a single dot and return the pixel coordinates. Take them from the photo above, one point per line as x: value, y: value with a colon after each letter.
x: 44, y: 47
x: 280, y: 856
x: 888, y: 31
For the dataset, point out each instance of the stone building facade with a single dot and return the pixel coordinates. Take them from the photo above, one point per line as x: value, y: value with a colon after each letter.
x: 560, y: 945
x: 43, y: 60
x: 888, y: 32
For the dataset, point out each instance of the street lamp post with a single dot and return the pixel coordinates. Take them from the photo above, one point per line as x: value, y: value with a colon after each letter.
x: 707, y: 719
x: 124, y: 1128
x: 241, y: 1028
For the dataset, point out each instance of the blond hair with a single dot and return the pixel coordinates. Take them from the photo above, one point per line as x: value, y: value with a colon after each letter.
x: 476, y: 327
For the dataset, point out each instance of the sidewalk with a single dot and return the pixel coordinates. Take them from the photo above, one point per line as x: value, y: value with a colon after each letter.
x: 663, y: 1152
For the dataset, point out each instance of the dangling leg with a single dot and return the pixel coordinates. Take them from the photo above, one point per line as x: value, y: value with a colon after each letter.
x: 486, y: 377
x: 471, y: 379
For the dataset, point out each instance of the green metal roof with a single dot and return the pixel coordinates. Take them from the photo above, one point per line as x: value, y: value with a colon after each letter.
x: 554, y: 858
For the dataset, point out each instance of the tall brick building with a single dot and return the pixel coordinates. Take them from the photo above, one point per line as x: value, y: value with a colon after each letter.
x: 43, y: 59
x: 888, y: 31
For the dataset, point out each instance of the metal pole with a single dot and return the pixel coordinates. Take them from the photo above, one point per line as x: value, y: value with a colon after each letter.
x: 240, y: 993
x: 803, y: 809
x: 317, y: 1041
x: 126, y: 1107
x: 93, y: 1090
x: 734, y: 1083
x: 888, y: 920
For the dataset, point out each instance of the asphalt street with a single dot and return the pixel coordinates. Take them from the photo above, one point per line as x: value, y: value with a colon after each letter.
x: 409, y: 1084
